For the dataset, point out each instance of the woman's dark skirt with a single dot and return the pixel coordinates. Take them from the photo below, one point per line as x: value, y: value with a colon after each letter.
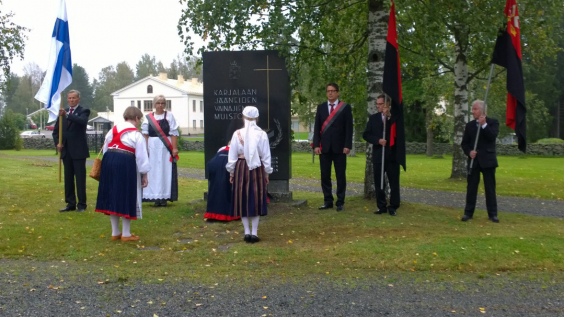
x: 249, y: 191
x: 117, y: 191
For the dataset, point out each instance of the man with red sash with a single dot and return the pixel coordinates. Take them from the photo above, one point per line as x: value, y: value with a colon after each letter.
x: 332, y: 141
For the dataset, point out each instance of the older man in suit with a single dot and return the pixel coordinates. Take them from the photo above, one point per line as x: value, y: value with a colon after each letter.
x: 374, y: 134
x: 332, y: 141
x: 485, y: 160
x: 74, y: 150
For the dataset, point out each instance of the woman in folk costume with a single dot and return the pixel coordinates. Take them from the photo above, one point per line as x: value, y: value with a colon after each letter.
x: 124, y: 174
x: 219, y: 187
x: 249, y: 165
x: 161, y: 132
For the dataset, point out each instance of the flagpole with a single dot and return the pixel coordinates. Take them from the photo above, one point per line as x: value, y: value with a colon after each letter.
x: 60, y: 135
x: 485, y: 108
x: 384, y: 147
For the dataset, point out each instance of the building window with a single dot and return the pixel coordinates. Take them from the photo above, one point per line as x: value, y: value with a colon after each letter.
x: 149, y: 89
x: 201, y: 106
x: 194, y: 106
x: 194, y: 124
x: 168, y: 105
x: 133, y: 103
x: 139, y: 104
x: 202, y: 124
x: 148, y: 105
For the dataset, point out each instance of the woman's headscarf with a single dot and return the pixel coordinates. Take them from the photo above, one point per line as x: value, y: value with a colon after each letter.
x: 252, y: 137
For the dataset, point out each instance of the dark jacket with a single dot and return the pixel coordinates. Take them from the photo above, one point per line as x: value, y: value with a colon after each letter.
x: 74, y: 134
x: 486, y: 143
x: 373, y: 133
x: 339, y: 135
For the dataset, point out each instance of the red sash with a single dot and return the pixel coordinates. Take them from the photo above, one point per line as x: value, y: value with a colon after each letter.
x: 162, y: 136
x: 332, y: 115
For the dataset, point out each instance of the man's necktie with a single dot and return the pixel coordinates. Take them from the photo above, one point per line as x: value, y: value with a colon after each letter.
x: 332, y: 108
x: 70, y: 112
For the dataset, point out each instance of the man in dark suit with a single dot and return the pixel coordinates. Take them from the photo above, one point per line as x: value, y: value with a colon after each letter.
x: 332, y: 141
x: 74, y: 150
x: 374, y: 134
x: 485, y: 160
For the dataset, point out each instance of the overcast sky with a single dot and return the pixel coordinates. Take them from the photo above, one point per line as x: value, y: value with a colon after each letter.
x: 102, y: 32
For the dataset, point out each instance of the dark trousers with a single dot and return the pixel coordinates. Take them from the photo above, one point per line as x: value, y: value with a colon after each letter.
x: 340, y: 162
x: 472, y: 190
x: 392, y: 169
x: 75, y: 169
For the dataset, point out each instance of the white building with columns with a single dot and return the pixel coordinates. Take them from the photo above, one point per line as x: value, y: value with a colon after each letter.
x: 185, y: 100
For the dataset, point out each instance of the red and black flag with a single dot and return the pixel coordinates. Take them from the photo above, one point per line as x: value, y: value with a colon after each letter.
x: 507, y: 53
x: 392, y: 87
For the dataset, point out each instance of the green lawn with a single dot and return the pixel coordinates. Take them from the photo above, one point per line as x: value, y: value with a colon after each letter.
x: 297, y: 243
x: 532, y: 176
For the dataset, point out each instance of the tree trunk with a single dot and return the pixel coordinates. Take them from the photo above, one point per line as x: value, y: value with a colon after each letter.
x: 460, y: 110
x: 377, y: 31
x: 430, y: 133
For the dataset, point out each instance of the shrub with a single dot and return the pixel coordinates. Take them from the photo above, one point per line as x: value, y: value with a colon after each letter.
x: 550, y: 141
x: 9, y: 132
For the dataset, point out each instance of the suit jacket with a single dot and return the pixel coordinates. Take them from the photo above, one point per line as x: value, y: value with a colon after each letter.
x: 74, y: 134
x: 486, y: 143
x: 373, y: 133
x: 339, y: 135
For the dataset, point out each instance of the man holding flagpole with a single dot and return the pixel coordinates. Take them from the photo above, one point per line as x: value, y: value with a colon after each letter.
x: 74, y: 150
x: 70, y: 124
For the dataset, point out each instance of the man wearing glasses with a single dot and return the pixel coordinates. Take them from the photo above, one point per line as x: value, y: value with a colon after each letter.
x: 332, y: 141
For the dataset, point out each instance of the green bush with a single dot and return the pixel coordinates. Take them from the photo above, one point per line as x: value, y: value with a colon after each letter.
x: 9, y: 132
x: 550, y: 141
x: 19, y: 143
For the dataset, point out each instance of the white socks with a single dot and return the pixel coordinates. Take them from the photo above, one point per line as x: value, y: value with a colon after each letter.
x: 125, y: 223
x: 126, y: 226
x: 255, y: 221
x: 115, y: 225
x: 245, y: 221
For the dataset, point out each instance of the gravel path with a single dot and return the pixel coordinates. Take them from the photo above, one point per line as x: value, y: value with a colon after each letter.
x: 50, y: 290
x: 528, y: 206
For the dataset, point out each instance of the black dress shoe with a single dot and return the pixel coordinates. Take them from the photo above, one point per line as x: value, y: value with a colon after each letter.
x: 326, y: 206
x: 380, y: 211
x: 255, y: 239
x: 67, y: 208
x: 81, y: 210
x: 466, y: 218
x: 494, y: 219
x: 340, y: 208
x: 392, y: 212
x: 247, y: 238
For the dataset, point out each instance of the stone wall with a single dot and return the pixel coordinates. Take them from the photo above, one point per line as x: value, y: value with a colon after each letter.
x: 95, y: 141
x: 305, y: 147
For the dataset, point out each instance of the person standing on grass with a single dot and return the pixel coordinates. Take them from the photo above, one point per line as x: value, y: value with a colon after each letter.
x: 74, y: 150
x: 332, y: 141
x: 485, y: 160
x: 161, y: 132
x: 219, y: 188
x: 124, y: 173
x: 249, y: 165
x: 373, y: 134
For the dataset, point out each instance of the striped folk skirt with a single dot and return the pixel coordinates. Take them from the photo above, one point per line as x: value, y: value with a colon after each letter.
x: 249, y: 191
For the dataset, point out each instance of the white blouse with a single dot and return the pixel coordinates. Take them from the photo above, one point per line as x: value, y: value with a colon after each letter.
x: 135, y: 140
x: 236, y: 149
x: 171, y: 122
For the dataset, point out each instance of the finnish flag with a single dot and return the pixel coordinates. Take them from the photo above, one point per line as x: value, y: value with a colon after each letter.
x: 59, y: 69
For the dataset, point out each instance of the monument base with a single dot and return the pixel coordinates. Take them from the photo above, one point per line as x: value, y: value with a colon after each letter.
x: 280, y: 192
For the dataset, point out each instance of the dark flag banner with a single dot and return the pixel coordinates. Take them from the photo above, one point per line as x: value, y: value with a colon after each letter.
x: 392, y: 87
x: 507, y: 53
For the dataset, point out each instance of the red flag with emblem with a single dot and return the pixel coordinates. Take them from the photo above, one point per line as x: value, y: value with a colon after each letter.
x: 507, y: 53
x: 392, y: 87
